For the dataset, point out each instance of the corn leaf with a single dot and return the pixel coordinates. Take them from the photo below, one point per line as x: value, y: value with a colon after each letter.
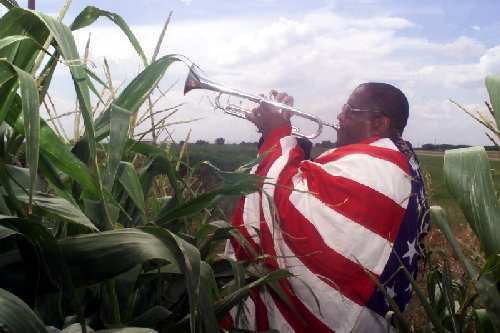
x: 119, y: 124
x: 9, y: 40
x: 493, y: 87
x: 59, y: 208
x: 151, y: 317
x: 203, y: 201
x: 468, y: 177
x: 16, y: 316
x: 9, y: 3
x: 207, y: 299
x: 132, y: 185
x: 483, y: 322
x: 29, y: 105
x: 136, y: 92
x: 90, y: 14
x: 486, y: 288
x: 19, y: 22
x: 188, y: 259
x: 224, y: 305
x: 61, y: 156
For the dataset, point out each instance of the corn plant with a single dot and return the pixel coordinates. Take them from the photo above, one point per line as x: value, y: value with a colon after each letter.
x: 84, y: 237
x: 470, y: 303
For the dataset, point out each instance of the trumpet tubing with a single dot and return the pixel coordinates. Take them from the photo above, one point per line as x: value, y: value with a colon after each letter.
x: 196, y: 81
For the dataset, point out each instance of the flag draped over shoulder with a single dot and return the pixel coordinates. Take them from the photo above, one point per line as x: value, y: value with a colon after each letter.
x: 336, y: 223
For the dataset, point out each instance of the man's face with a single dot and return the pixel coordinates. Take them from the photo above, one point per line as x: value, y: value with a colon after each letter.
x: 356, y: 125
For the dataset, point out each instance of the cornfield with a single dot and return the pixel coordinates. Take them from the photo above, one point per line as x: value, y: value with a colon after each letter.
x: 107, y: 232
x: 102, y: 230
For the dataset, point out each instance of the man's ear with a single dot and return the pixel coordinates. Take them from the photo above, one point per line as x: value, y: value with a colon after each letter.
x: 381, y: 125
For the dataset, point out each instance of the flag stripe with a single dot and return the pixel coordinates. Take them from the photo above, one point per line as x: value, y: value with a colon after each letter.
x: 381, y: 175
x: 349, y: 198
x: 305, y: 241
x: 340, y: 233
x: 390, y: 155
x: 385, y: 143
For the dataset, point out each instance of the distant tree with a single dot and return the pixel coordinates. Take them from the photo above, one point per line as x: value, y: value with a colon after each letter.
x: 201, y: 142
x: 325, y: 144
x: 220, y: 141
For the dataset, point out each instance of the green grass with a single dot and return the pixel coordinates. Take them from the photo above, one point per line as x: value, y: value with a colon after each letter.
x: 230, y: 156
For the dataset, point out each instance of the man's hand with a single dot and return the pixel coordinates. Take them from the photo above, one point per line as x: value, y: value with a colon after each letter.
x: 268, y: 117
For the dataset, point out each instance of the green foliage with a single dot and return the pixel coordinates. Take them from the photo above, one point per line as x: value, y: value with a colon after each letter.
x: 473, y: 301
x: 103, y: 230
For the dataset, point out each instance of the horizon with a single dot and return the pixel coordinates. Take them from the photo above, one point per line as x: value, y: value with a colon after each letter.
x: 317, y: 51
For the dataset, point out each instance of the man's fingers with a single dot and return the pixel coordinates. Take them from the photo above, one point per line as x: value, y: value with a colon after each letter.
x: 288, y: 100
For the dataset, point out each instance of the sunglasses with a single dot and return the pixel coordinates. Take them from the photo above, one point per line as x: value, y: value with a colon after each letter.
x: 347, y: 108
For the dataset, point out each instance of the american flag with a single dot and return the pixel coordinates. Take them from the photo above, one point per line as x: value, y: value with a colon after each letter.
x: 336, y: 223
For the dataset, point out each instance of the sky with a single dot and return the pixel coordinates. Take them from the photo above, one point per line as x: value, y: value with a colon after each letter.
x: 316, y: 50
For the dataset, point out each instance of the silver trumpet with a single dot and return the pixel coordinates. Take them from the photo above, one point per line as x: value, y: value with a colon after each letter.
x: 196, y: 81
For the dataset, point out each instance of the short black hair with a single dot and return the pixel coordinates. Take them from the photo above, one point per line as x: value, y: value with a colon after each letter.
x: 386, y: 98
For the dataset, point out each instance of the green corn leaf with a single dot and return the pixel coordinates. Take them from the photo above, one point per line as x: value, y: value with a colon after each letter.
x: 486, y: 288
x: 159, y: 165
x: 44, y: 262
x: 30, y: 104
x: 203, y: 201
x: 224, y: 305
x: 61, y: 157
x: 188, y: 259
x: 16, y: 316
x: 128, y: 330
x: 132, y: 185
x: 67, y: 47
x: 96, y: 257
x: 468, y: 177
x: 493, y: 87
x: 136, y: 92
x: 438, y: 217
x: 59, y: 208
x: 119, y: 124
x: 9, y: 40
x: 90, y: 14
x: 9, y: 3
x: 6, y: 232
x: 207, y: 299
x: 17, y: 22
x: 151, y: 317
x: 483, y: 321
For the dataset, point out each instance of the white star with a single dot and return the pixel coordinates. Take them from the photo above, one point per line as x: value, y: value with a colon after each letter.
x: 411, y: 251
x: 391, y: 292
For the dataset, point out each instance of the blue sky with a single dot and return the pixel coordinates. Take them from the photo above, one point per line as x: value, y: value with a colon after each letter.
x: 316, y: 50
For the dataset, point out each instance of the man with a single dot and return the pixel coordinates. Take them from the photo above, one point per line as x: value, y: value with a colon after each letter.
x: 338, y: 223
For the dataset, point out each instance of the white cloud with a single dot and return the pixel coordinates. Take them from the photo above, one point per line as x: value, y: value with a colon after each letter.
x: 490, y: 61
x: 319, y: 58
x: 476, y: 27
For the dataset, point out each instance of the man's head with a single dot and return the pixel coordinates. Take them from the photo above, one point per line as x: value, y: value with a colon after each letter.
x: 372, y: 109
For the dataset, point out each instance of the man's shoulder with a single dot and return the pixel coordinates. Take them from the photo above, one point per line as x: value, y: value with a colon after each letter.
x: 366, y: 151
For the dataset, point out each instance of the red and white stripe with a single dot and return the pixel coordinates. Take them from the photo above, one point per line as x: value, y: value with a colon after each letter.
x: 328, y: 222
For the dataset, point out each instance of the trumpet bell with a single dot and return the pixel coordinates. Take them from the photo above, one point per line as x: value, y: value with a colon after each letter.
x: 192, y: 81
